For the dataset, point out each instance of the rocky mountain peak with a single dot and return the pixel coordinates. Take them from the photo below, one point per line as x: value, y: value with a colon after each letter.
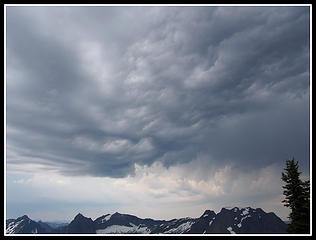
x: 228, y: 220
x: 79, y: 216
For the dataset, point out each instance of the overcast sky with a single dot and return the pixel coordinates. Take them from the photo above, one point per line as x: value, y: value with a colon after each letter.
x: 160, y: 112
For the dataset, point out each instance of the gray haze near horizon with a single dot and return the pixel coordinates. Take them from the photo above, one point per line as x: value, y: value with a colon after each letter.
x: 92, y: 91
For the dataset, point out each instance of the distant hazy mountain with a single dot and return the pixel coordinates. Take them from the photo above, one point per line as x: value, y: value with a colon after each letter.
x: 228, y: 220
x: 55, y: 225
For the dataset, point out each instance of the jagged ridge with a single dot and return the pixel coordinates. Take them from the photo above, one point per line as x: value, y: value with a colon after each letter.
x: 228, y: 220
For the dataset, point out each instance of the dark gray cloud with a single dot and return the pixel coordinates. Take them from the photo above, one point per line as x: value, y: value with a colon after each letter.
x: 94, y: 90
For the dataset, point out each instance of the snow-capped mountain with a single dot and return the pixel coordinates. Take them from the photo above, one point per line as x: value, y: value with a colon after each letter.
x: 246, y: 220
x: 24, y: 225
x: 228, y: 220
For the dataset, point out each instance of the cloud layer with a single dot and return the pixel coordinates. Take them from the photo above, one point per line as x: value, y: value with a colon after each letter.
x: 95, y: 90
x: 154, y: 191
x: 106, y: 91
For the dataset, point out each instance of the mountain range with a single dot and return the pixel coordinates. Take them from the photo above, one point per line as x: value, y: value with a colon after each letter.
x: 228, y: 221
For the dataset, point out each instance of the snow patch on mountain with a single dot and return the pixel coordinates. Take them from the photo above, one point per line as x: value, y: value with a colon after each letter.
x: 124, y: 229
x: 243, y: 218
x: 181, y: 228
x: 106, y: 218
x: 245, y: 211
x: 13, y: 226
x: 230, y: 229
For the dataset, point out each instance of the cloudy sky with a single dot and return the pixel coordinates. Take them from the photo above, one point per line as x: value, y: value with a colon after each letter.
x: 160, y: 112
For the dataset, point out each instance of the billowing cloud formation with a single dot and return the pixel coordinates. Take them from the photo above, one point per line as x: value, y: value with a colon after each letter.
x: 112, y: 91
x: 95, y: 90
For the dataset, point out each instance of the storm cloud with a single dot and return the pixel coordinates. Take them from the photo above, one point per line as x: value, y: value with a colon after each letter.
x: 103, y: 91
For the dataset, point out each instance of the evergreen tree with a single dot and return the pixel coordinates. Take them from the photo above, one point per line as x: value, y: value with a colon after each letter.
x: 297, y: 198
